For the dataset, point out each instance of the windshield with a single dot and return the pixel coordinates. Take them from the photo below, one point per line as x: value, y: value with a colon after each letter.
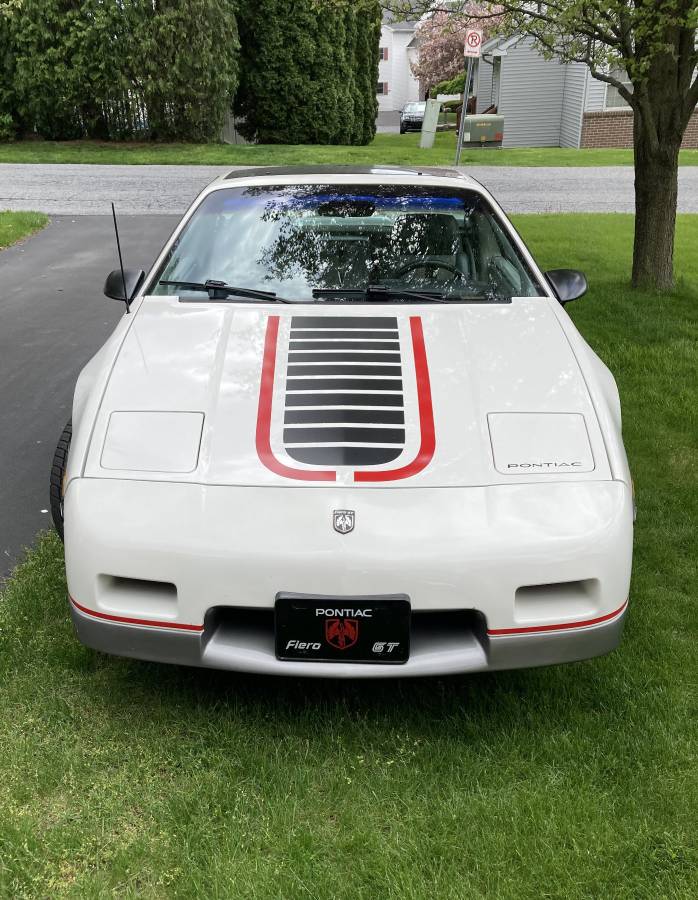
x: 414, y: 107
x: 294, y: 240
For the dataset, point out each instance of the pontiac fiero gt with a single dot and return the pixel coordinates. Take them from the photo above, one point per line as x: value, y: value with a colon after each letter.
x: 346, y: 428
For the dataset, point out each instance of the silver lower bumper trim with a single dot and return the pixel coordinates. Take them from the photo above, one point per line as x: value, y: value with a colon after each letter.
x: 432, y: 652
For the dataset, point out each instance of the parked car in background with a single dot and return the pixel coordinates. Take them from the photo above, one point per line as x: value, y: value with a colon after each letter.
x: 412, y: 116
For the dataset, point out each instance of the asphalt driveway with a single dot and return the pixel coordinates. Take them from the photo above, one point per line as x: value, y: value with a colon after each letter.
x: 53, y: 317
x: 88, y: 189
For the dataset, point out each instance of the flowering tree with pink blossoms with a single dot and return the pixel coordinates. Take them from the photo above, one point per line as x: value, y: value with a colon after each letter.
x: 441, y: 39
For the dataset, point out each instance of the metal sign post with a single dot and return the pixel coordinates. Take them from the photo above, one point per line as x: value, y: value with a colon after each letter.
x: 472, y: 50
x: 461, y: 127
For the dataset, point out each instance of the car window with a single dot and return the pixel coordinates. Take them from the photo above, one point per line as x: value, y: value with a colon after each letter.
x: 297, y: 239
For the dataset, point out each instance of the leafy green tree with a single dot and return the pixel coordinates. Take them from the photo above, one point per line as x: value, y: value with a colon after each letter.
x: 647, y: 50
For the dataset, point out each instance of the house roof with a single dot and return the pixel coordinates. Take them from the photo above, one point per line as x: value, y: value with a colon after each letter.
x: 396, y: 25
x: 403, y: 26
x: 498, y: 45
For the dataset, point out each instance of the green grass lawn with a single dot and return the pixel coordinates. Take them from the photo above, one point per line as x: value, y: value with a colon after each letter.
x: 389, y: 149
x: 573, y: 782
x: 14, y: 226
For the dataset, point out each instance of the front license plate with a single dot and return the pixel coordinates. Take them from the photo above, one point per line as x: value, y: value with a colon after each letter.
x: 365, y: 630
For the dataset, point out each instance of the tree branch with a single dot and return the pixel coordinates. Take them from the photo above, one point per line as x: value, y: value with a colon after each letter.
x: 626, y: 38
x: 627, y: 95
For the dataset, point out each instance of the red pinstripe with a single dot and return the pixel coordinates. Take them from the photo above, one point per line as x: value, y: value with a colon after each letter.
x: 533, y: 629
x: 263, y: 435
x: 426, y: 415
x: 126, y: 620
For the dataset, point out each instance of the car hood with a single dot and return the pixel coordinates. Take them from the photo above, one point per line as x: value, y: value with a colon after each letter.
x: 378, y: 396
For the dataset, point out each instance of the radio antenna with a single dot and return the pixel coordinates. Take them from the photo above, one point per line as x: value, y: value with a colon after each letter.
x: 121, y: 262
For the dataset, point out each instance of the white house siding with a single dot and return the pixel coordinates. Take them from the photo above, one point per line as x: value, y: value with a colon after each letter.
x: 396, y: 71
x: 385, y: 68
x: 413, y: 87
x: 484, y: 86
x: 543, y: 102
x: 595, y: 100
x: 573, y: 104
x: 530, y: 97
x: 496, y: 79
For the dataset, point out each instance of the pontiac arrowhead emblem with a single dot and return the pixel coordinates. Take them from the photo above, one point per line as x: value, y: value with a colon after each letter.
x: 343, y: 520
x: 341, y: 633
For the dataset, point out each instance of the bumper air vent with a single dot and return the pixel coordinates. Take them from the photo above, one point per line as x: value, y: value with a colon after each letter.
x: 556, y: 602
x: 137, y: 597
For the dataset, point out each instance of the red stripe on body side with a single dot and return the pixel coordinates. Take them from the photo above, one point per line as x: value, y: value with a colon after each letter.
x: 126, y: 620
x: 535, y: 629
x: 263, y: 435
x: 426, y: 415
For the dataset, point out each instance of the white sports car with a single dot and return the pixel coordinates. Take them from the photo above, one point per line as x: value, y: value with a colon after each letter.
x: 346, y: 429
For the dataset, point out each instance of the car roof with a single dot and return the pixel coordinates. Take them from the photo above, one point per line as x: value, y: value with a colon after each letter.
x: 388, y: 174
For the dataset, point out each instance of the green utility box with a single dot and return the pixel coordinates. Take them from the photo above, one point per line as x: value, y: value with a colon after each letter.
x: 483, y: 131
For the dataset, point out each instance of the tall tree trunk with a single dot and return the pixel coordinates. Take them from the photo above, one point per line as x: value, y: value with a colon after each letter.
x: 656, y: 195
x: 661, y: 115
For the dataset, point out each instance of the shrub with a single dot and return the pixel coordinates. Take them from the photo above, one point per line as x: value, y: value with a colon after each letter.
x: 308, y: 74
x: 189, y: 53
x: 451, y: 86
x: 8, y: 110
x: 124, y: 68
x: 7, y: 128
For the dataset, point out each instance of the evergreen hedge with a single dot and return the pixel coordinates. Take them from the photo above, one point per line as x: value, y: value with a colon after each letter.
x: 110, y: 69
x: 308, y: 71
x: 168, y: 70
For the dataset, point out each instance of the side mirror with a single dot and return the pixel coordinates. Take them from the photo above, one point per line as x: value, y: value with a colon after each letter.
x: 114, y: 285
x: 568, y: 284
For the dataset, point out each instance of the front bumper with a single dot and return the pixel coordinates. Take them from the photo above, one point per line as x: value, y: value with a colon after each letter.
x: 247, y: 645
x: 493, y: 555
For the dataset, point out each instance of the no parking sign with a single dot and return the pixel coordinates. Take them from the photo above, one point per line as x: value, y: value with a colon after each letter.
x: 473, y: 42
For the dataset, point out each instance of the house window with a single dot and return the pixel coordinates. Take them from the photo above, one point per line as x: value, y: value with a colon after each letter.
x: 613, y: 97
x: 382, y: 87
x: 382, y: 53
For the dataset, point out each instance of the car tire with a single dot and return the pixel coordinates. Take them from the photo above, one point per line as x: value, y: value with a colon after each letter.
x: 402, y: 131
x: 58, y: 467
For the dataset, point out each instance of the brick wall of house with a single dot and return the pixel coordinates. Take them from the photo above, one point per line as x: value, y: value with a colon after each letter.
x: 614, y: 128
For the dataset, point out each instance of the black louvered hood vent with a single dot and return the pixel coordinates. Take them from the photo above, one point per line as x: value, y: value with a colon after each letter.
x: 344, y: 396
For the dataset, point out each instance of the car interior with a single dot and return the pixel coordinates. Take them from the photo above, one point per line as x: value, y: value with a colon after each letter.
x: 451, y: 245
x: 425, y: 248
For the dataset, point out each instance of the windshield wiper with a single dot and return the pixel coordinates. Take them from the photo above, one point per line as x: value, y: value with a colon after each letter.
x: 219, y: 290
x: 382, y: 292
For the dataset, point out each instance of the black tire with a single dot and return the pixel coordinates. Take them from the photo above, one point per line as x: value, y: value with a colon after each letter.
x: 60, y: 461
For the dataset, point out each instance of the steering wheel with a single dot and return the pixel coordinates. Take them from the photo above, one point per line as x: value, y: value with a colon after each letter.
x: 428, y: 264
